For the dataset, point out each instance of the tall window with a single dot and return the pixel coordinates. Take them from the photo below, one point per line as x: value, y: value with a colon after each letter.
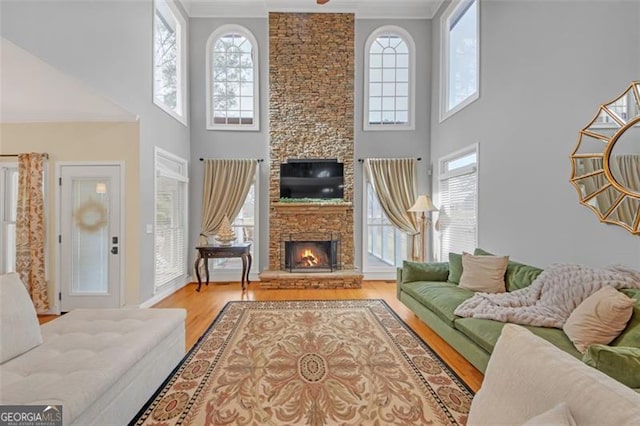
x: 459, y: 65
x: 171, y: 219
x: 244, y: 227
x: 232, y: 79
x: 8, y: 208
x: 389, y: 77
x: 386, y: 246
x: 169, y: 59
x: 458, y: 197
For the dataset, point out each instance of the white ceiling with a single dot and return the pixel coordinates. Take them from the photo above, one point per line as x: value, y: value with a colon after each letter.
x: 362, y: 8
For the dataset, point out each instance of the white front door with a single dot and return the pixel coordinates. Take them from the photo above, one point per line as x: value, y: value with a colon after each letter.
x: 90, y: 240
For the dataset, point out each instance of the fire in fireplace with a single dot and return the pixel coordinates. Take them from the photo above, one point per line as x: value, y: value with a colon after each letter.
x: 311, y: 256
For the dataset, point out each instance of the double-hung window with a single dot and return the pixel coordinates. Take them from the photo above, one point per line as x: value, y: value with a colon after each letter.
x: 171, y: 201
x: 232, y: 79
x: 8, y: 209
x: 458, y: 199
x: 389, y: 80
x: 169, y: 59
x: 460, y: 56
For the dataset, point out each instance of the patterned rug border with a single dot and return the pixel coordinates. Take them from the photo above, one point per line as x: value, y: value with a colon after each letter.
x: 228, y: 306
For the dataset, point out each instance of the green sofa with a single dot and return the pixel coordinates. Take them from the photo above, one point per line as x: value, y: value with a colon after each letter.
x: 424, y: 289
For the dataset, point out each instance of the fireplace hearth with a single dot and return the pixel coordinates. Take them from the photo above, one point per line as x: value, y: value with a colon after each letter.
x: 306, y: 253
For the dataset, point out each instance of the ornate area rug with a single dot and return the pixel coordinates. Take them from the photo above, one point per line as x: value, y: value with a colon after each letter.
x: 309, y: 362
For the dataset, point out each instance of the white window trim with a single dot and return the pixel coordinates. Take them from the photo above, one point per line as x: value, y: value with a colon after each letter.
x: 391, y: 29
x: 222, y: 30
x: 4, y: 166
x: 444, y: 61
x: 443, y: 175
x: 182, y: 177
x: 181, y: 69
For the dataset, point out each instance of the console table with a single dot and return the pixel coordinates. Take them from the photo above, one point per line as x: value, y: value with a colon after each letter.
x: 214, y: 251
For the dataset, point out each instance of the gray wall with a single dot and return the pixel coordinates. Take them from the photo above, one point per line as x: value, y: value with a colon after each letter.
x: 227, y: 144
x: 545, y: 69
x: 242, y: 144
x: 393, y: 144
x: 107, y: 45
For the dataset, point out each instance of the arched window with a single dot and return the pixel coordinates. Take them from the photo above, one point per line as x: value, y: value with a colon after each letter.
x: 232, y: 79
x: 389, y: 80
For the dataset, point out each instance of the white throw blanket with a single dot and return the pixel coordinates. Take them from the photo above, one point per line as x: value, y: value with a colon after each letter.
x: 551, y: 298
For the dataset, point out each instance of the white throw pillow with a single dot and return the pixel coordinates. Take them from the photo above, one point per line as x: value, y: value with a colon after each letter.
x: 19, y: 327
x: 599, y: 319
x: 483, y: 273
x: 560, y: 415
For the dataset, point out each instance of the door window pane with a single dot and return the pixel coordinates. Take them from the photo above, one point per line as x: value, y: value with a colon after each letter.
x: 90, y: 243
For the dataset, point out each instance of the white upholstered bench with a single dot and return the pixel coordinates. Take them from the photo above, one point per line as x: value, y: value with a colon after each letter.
x: 100, y: 365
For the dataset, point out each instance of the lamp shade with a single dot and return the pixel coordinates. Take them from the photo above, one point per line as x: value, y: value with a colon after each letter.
x: 423, y: 204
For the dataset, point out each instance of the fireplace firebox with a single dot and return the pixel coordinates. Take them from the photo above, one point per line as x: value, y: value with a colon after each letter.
x: 309, y: 253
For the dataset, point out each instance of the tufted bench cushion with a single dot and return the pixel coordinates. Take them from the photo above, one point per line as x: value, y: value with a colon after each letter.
x: 88, y: 358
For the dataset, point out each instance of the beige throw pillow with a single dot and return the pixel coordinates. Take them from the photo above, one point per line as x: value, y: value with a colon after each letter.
x: 483, y: 273
x: 599, y: 319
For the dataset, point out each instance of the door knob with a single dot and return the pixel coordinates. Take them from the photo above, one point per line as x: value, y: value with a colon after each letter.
x: 114, y: 250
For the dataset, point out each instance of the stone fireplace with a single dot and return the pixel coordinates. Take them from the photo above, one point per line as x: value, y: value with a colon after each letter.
x: 311, y: 116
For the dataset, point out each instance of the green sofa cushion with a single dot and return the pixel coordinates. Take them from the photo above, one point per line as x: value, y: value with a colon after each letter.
x: 630, y: 336
x: 485, y: 333
x: 442, y: 298
x: 519, y: 275
x: 418, y: 271
x: 455, y: 268
x: 621, y: 363
x: 481, y: 252
x: 482, y: 332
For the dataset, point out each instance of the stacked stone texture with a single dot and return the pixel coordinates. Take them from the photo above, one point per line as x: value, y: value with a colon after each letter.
x: 311, y: 95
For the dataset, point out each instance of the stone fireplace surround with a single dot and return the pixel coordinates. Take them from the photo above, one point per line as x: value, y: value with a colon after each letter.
x: 299, y: 218
x: 311, y: 115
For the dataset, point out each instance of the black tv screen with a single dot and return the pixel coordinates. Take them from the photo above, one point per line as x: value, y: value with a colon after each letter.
x: 322, y: 179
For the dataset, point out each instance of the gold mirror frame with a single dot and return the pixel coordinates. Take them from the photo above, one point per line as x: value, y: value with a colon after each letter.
x: 598, y: 187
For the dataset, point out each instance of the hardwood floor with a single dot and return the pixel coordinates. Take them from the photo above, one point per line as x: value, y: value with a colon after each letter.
x: 203, y: 307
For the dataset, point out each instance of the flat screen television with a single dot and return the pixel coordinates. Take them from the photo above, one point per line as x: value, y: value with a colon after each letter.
x: 319, y: 179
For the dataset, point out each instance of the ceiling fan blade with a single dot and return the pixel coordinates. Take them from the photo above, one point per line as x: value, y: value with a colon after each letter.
x: 322, y: 1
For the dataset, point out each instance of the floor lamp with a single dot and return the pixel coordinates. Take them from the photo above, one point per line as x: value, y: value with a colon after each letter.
x: 423, y: 205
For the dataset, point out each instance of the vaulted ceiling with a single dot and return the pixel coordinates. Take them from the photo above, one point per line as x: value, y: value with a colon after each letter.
x: 362, y: 8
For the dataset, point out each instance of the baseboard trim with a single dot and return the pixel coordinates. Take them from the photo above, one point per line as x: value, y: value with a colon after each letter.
x: 164, y: 293
x: 379, y: 276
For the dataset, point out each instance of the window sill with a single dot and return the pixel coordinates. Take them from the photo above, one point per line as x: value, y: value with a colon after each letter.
x: 462, y: 105
x: 180, y: 118
x: 234, y: 128
x: 388, y: 127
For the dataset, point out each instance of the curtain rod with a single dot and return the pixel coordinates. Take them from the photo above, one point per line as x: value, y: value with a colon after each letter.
x: 361, y: 160
x: 15, y: 155
x: 259, y: 160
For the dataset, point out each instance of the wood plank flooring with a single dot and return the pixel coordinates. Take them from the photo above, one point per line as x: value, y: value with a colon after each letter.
x: 203, y: 307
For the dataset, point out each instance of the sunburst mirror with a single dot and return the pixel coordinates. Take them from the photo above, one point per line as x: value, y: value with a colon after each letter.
x: 605, y: 165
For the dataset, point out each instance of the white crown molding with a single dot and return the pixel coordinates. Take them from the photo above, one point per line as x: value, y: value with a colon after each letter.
x: 363, y: 9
